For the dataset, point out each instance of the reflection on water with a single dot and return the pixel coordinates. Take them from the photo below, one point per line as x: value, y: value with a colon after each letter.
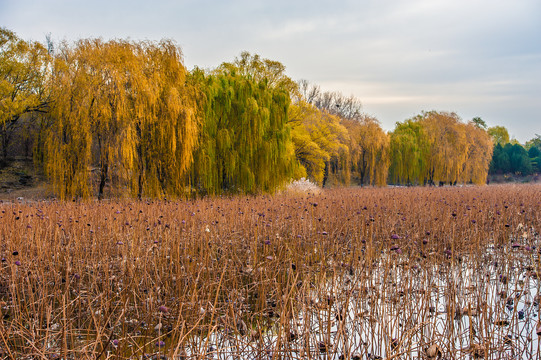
x: 484, y: 306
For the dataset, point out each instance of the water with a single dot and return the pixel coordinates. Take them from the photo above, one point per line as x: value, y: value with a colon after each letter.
x: 478, y: 307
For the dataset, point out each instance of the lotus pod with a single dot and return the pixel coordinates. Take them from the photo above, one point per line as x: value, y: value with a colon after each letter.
x: 433, y: 352
x: 477, y: 351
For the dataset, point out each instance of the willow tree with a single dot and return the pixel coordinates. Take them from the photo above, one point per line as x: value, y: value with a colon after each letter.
x: 479, y: 154
x: 259, y: 69
x: 245, y: 143
x: 68, y: 139
x: 121, y: 108
x: 499, y: 135
x: 166, y: 123
x: 448, y: 146
x: 320, y: 143
x: 369, y: 150
x: 321, y: 139
x: 110, y: 70
x: 408, y: 151
x: 438, y: 147
x: 310, y: 156
x: 23, y: 73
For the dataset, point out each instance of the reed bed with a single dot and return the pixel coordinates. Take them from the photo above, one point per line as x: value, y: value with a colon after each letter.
x: 392, y: 273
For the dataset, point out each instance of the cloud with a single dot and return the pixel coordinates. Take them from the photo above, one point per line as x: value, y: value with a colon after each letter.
x: 292, y: 28
x: 398, y: 56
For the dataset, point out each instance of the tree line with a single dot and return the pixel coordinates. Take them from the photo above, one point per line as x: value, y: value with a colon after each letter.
x: 510, y: 157
x: 126, y: 118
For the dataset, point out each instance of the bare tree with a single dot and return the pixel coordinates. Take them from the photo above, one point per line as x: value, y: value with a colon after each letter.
x: 334, y: 102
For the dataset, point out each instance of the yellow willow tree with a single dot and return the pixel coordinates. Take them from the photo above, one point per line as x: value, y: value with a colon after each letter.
x: 479, y: 154
x: 122, y: 108
x: 166, y: 123
x: 448, y: 146
x: 67, y: 143
x: 438, y: 147
x: 311, y: 158
x: 23, y: 70
x: 369, y: 148
x: 320, y: 143
x: 245, y: 143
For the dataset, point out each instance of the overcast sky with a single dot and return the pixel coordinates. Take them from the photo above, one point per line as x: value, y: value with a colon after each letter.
x: 474, y: 57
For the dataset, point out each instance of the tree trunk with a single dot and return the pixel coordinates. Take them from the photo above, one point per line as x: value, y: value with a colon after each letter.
x: 140, y: 185
x: 325, y: 174
x: 103, y: 178
x: 5, y: 141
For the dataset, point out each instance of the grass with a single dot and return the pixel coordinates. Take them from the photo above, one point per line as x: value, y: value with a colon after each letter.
x: 394, y: 273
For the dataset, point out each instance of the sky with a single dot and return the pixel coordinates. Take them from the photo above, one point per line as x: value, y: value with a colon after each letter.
x: 478, y: 58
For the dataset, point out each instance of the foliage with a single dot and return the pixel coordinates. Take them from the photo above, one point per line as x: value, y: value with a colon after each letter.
x: 409, y: 149
x: 480, y: 123
x: 125, y: 118
x: 500, y: 160
x: 364, y: 152
x: 258, y: 69
x: 534, y: 152
x: 535, y: 142
x: 319, y: 139
x: 436, y: 147
x: 512, y: 158
x: 245, y: 143
x: 23, y: 67
x: 120, y: 107
x: 369, y: 150
x: 499, y: 135
x: 480, y: 148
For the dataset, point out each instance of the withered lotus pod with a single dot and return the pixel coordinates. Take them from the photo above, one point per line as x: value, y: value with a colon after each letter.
x: 433, y: 352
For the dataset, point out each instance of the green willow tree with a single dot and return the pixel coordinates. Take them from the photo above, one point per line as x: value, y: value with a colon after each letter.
x: 259, y: 69
x: 499, y: 135
x: 409, y: 148
x: 245, y: 142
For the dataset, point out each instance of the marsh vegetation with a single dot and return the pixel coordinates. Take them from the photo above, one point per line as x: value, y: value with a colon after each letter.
x: 395, y: 273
